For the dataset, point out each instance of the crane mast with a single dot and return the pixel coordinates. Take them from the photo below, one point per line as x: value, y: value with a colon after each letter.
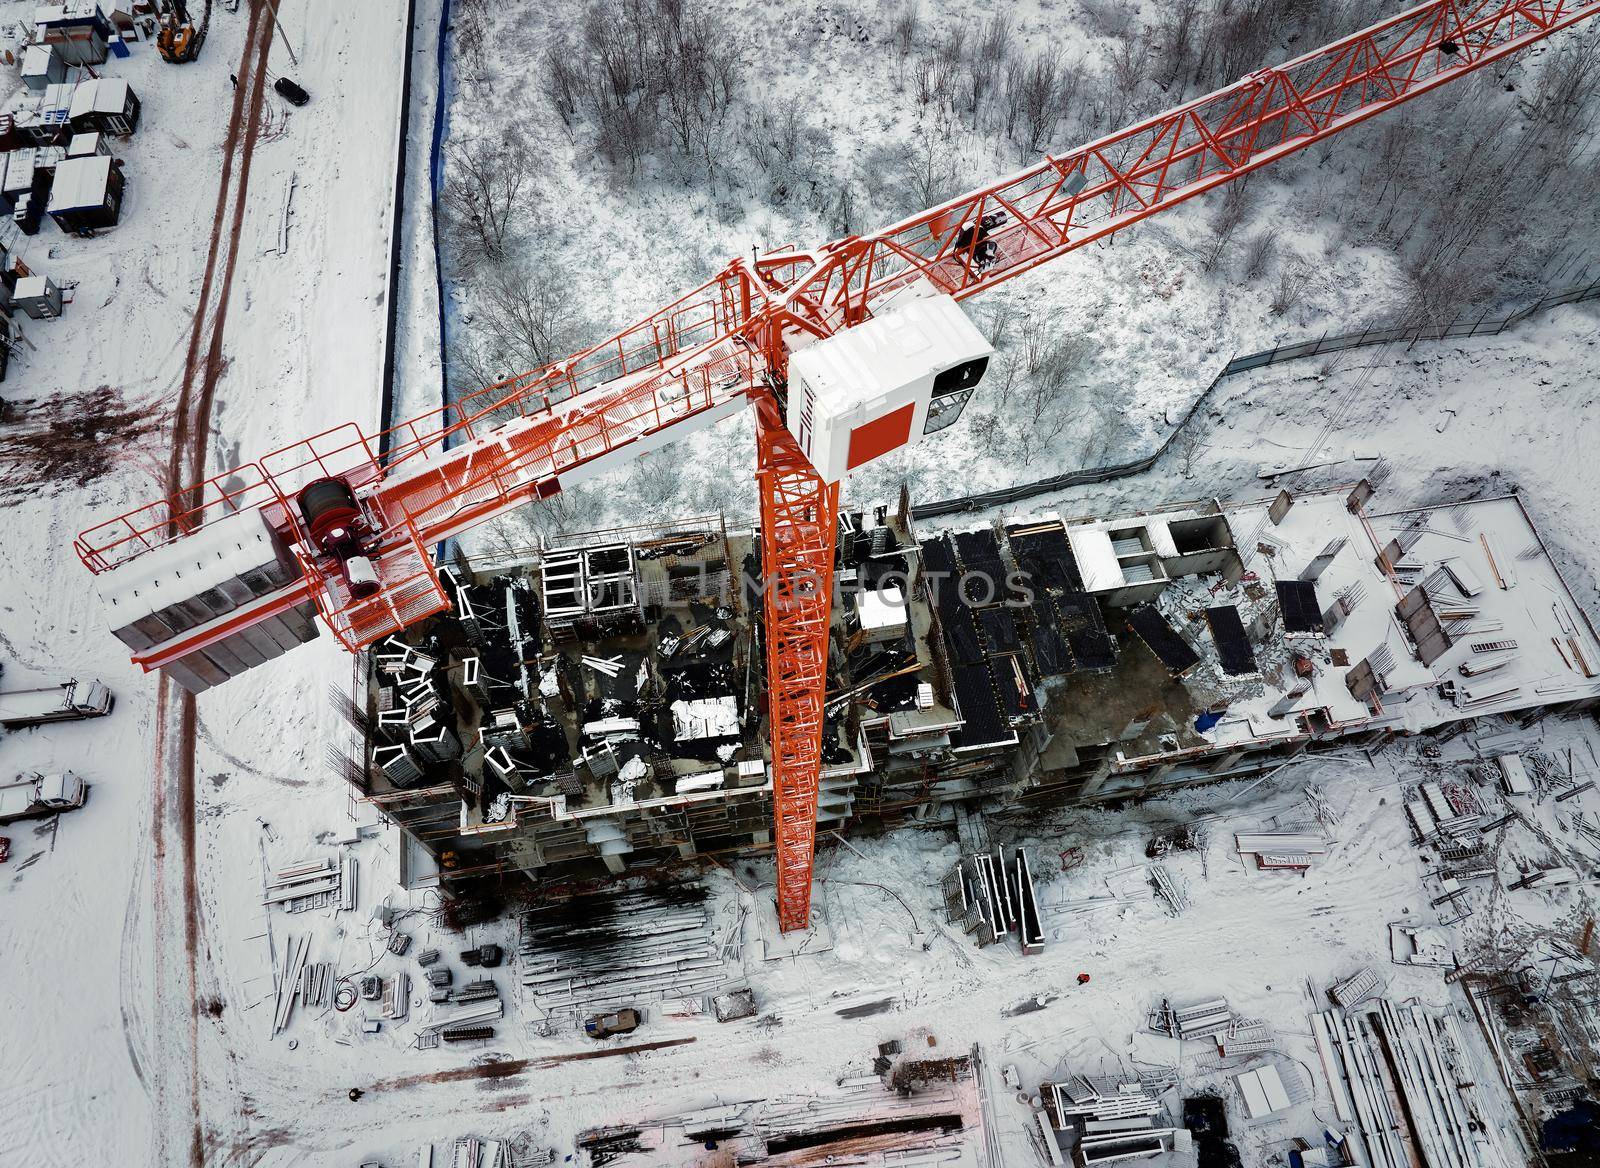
x: 725, y: 345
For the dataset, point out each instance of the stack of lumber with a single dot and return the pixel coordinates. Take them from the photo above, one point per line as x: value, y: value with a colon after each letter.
x: 294, y: 962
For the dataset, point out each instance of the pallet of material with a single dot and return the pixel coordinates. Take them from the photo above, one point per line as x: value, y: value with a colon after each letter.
x: 347, y: 883
x: 1282, y: 861
x: 397, y: 996
x: 1356, y: 988
x: 1202, y: 1019
x: 1280, y: 841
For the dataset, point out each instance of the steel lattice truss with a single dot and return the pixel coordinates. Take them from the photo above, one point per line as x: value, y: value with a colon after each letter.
x: 724, y: 345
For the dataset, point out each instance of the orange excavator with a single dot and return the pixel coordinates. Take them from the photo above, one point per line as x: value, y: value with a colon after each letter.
x: 179, y: 39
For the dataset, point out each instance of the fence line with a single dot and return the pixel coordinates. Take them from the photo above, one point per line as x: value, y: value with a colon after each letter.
x: 1483, y: 326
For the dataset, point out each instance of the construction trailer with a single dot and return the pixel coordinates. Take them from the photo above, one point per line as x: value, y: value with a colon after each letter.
x: 107, y: 105
x: 37, y: 297
x: 47, y: 121
x: 87, y: 194
x: 79, y: 31
x: 42, y: 67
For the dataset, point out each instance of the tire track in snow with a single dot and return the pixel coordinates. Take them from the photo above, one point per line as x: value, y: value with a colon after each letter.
x: 176, y: 885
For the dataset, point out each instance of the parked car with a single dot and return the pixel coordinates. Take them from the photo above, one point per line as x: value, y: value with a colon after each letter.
x: 623, y: 1021
x: 290, y: 92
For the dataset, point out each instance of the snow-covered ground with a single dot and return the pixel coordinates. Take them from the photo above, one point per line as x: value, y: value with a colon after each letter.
x: 103, y: 1066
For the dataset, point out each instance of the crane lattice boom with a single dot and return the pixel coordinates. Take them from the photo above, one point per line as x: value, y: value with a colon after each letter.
x: 727, y: 343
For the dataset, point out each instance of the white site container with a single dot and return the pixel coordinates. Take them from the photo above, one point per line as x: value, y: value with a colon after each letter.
x: 883, y: 385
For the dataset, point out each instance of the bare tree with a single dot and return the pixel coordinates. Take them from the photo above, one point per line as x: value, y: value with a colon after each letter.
x: 1035, y: 93
x: 530, y: 318
x: 1290, y: 290
x: 988, y: 56
x: 1259, y: 250
x: 907, y: 19
x: 485, y: 183
x: 1232, y: 209
x: 563, y: 84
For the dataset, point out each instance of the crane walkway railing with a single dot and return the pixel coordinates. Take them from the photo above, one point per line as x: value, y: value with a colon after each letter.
x: 1483, y: 325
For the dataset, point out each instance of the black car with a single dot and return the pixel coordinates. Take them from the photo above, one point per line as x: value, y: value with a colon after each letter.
x: 290, y: 92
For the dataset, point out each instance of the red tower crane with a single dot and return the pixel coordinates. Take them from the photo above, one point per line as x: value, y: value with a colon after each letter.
x: 848, y: 352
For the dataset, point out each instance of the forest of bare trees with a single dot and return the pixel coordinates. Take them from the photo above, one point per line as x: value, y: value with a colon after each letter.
x: 1476, y: 194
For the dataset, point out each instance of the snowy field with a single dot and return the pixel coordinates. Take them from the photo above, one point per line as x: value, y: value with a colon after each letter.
x: 118, y: 1056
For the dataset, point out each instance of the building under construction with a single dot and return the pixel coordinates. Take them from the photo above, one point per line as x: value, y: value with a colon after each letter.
x: 595, y: 706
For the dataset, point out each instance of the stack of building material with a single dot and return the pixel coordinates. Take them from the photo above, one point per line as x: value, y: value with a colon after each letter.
x: 347, y: 882
x: 1200, y: 1020
x: 1112, y: 1122
x: 599, y: 952
x: 990, y: 897
x: 1168, y: 890
x: 1398, y: 1074
x: 316, y: 985
x: 1284, y: 850
x: 308, y: 884
x: 397, y: 996
x: 474, y: 1015
x: 294, y: 962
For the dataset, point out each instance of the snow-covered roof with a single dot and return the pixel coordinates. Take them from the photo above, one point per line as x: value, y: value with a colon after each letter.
x: 80, y: 182
x: 36, y: 59
x: 77, y: 10
x: 1097, y: 559
x: 99, y: 95
x: 885, y: 609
